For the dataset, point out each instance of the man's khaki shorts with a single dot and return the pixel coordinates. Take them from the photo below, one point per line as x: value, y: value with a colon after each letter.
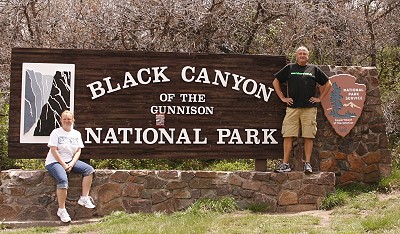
x: 306, y: 117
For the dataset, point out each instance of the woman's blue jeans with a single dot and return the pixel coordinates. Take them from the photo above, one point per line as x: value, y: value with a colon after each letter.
x: 58, y: 172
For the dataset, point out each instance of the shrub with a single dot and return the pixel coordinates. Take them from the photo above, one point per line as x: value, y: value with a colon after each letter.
x: 232, y: 165
x: 205, y: 205
x: 337, y: 198
x: 5, y: 162
x: 258, y: 207
x: 343, y: 193
x: 390, y: 182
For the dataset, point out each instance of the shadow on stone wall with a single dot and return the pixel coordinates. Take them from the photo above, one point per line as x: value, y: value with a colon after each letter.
x: 30, y: 195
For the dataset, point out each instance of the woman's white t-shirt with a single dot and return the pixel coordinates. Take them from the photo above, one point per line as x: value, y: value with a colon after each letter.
x: 67, y: 144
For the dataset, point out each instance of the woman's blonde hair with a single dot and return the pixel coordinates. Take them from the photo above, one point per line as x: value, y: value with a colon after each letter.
x: 67, y: 112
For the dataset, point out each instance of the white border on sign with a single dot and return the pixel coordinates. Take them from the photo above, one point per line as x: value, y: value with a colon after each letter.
x: 48, y: 70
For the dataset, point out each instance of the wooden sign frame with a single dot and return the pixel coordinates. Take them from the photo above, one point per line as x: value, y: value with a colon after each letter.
x: 218, y: 105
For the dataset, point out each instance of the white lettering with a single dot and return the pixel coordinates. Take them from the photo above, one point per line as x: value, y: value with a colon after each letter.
x: 124, y: 134
x: 223, y: 133
x: 90, y: 132
x: 264, y: 92
x: 245, y: 84
x: 183, y: 74
x: 109, y: 86
x: 238, y: 79
x: 94, y: 88
x: 169, y: 137
x: 218, y: 76
x: 203, y: 75
x: 140, y: 77
x: 197, y: 137
x: 268, y: 136
x: 146, y: 136
x: 138, y: 134
x: 235, y: 137
x: 159, y: 72
x: 240, y: 83
x: 183, y: 138
x: 252, y: 136
x: 110, y: 136
x: 129, y: 79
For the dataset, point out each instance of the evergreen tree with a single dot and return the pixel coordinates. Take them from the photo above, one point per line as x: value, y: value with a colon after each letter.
x: 335, y: 100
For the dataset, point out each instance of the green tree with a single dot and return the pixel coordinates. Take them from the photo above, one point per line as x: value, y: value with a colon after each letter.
x: 5, y: 162
x: 335, y: 100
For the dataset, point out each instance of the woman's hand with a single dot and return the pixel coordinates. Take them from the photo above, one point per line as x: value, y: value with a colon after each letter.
x: 70, y: 165
x: 68, y: 168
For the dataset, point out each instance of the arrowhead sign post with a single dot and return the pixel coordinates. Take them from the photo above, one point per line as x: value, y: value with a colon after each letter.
x: 344, y: 103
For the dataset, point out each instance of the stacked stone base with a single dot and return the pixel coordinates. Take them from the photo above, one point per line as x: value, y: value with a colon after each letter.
x: 30, y: 195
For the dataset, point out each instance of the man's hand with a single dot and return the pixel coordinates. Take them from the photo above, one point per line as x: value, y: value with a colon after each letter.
x: 314, y: 100
x: 288, y: 101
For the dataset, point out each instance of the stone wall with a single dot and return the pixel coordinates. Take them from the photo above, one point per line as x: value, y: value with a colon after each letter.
x: 30, y: 195
x: 363, y: 154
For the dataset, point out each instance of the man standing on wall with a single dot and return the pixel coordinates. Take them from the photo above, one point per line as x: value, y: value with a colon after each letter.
x: 301, y: 78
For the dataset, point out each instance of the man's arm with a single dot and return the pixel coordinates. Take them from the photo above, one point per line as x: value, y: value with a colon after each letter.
x: 278, y: 90
x: 325, y: 89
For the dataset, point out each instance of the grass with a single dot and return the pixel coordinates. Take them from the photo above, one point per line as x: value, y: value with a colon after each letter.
x: 367, y: 213
x: 362, y: 212
x: 210, y: 222
x: 30, y: 230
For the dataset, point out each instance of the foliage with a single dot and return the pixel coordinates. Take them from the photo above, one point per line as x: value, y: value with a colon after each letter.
x: 5, y: 162
x: 389, y: 82
x: 150, y: 164
x: 335, y: 199
x: 211, y: 222
x: 391, y: 182
x: 271, y: 27
x: 367, y: 213
x: 390, y: 88
x: 33, y: 230
x: 30, y: 164
x: 381, y: 222
x: 343, y: 193
x: 232, y: 165
x: 205, y: 205
x: 258, y: 207
x: 177, y: 164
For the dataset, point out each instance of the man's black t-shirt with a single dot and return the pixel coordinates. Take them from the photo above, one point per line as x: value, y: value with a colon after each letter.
x: 302, y: 81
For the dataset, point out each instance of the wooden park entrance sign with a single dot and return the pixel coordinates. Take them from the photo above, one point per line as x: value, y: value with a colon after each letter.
x: 147, y: 104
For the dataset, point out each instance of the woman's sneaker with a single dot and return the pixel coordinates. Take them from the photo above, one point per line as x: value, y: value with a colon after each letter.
x: 284, y: 167
x: 307, y: 168
x: 64, y: 216
x: 86, y: 202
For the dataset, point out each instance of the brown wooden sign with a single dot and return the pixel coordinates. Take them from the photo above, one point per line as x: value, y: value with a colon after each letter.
x: 147, y: 104
x: 344, y: 103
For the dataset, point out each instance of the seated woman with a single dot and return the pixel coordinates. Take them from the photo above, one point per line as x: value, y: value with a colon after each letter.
x: 65, y: 145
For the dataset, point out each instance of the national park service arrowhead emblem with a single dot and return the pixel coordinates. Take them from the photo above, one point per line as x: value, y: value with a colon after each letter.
x: 344, y: 103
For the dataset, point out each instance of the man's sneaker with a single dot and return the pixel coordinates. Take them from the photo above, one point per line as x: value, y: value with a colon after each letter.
x: 86, y: 202
x: 284, y: 167
x: 64, y: 216
x: 307, y: 168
